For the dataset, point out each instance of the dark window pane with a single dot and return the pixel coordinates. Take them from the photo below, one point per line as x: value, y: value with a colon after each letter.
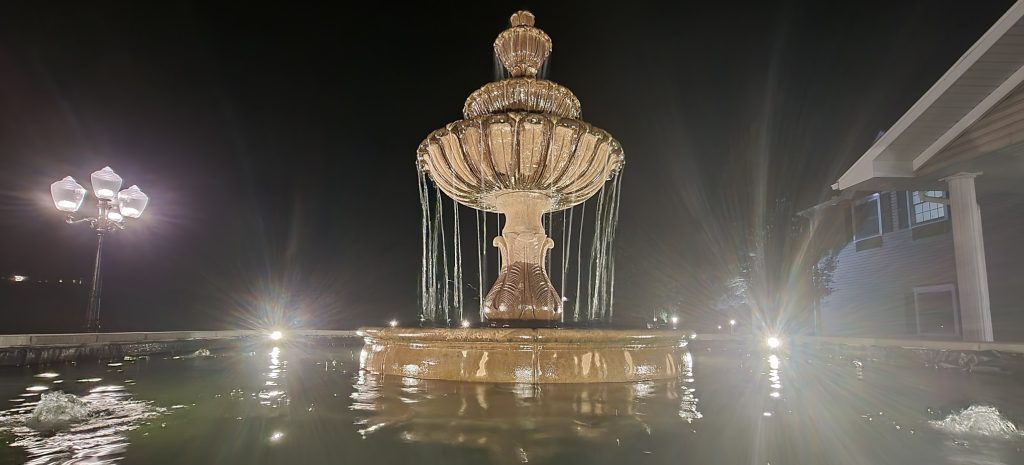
x: 865, y: 218
x: 901, y: 204
x: 886, y: 204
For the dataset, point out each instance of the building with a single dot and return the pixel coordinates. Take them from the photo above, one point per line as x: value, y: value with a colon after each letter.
x: 925, y: 236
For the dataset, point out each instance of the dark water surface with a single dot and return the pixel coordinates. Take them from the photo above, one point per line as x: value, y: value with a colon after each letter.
x: 309, y: 404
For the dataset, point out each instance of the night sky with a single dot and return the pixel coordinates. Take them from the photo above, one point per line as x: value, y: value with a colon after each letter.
x: 277, y: 143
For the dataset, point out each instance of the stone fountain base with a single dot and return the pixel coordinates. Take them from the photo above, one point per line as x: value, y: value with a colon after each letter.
x: 520, y: 355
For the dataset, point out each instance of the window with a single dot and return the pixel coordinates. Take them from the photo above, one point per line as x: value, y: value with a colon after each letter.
x: 867, y: 218
x: 922, y: 211
x: 936, y: 310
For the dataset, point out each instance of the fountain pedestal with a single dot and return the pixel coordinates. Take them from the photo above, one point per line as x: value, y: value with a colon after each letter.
x: 523, y: 292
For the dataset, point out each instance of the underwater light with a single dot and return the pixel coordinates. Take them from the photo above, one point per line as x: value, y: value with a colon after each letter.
x: 773, y: 342
x: 276, y: 335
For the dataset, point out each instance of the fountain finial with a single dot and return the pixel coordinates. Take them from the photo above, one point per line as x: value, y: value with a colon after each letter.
x: 522, y: 18
x: 522, y: 48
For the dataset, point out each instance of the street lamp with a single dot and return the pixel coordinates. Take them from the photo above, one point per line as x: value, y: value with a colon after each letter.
x: 113, y: 207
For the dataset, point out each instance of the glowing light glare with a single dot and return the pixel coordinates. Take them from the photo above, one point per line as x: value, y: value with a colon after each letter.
x: 693, y: 335
x: 276, y: 335
x: 18, y: 278
x: 114, y: 216
x: 732, y: 322
x: 48, y: 374
x: 67, y: 194
x: 465, y: 323
x: 773, y: 342
x: 105, y: 183
x: 393, y: 323
x: 276, y: 436
x: 132, y: 201
x: 675, y: 319
x: 719, y: 326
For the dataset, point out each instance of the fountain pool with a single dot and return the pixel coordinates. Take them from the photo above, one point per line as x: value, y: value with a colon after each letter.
x: 308, y: 402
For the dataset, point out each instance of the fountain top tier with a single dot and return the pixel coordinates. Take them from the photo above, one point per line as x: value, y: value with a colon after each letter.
x: 520, y: 134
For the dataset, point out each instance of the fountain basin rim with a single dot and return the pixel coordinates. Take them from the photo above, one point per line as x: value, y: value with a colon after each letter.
x: 530, y: 335
x: 525, y: 355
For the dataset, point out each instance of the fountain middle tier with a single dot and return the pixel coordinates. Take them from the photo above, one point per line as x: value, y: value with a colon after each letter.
x: 476, y: 160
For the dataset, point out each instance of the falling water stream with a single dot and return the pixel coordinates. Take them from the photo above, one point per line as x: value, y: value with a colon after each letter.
x: 581, y: 265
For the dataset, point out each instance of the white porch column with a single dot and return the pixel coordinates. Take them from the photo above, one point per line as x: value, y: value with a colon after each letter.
x: 969, y: 249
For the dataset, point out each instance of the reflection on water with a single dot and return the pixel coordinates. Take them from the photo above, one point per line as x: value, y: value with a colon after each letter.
x: 687, y: 394
x: 523, y: 421
x: 273, y: 393
x: 309, y: 404
x: 774, y: 379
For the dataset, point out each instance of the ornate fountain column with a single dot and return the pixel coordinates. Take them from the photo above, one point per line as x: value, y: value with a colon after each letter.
x: 523, y: 290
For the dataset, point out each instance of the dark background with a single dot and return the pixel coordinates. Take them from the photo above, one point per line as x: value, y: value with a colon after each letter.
x: 277, y: 142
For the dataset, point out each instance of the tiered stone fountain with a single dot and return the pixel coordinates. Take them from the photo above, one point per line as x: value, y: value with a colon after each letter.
x: 522, y: 151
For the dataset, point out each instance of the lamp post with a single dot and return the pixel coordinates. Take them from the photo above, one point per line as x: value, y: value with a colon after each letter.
x: 113, y: 208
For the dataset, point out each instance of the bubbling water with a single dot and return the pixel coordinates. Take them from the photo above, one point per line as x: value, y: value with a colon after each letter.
x: 978, y: 420
x: 57, y: 411
x: 64, y: 428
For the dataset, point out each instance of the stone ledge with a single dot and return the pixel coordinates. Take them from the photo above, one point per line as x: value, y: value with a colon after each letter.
x: 79, y: 339
x: 33, y: 349
x: 929, y: 344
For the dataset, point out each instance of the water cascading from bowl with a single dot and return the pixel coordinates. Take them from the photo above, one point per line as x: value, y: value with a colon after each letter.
x: 457, y: 263
x: 521, y: 153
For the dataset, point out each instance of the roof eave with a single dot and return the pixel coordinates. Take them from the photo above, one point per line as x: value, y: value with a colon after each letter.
x: 868, y: 166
